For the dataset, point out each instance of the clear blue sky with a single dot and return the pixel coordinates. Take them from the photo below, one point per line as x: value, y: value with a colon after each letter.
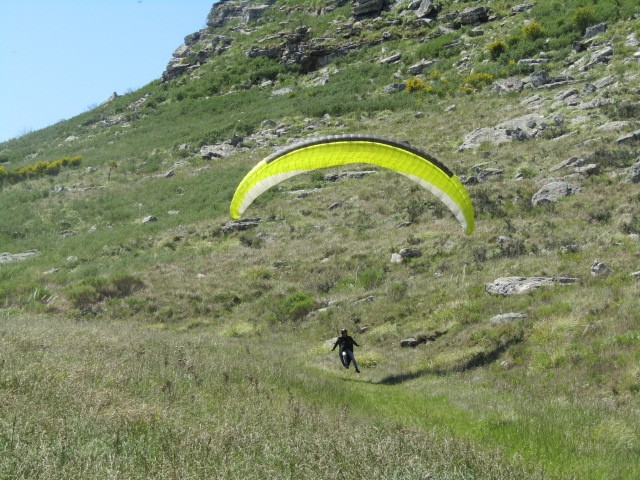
x: 58, y: 58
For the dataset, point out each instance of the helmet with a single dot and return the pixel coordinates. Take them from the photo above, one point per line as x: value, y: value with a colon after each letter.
x: 343, y: 331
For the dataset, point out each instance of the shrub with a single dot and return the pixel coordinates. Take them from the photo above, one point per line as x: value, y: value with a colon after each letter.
x: 496, y: 48
x: 83, y: 296
x: 532, y: 30
x: 479, y: 80
x: 294, y: 306
x: 583, y: 17
x: 414, y: 84
x: 370, y: 277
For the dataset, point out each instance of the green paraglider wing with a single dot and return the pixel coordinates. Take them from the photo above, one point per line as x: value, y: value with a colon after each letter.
x: 336, y: 150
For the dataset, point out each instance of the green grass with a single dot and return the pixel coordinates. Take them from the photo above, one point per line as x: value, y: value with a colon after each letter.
x: 171, y: 350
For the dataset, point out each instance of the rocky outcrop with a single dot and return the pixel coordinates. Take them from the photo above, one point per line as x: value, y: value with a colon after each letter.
x: 519, y: 285
x: 16, y: 257
x: 526, y: 127
x: 552, y: 192
x: 241, y: 225
x: 365, y: 8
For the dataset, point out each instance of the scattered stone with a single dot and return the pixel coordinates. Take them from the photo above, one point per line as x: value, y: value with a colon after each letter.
x: 599, y: 269
x: 506, y: 318
x: 552, y: 192
x: 410, y: 253
x: 59, y: 188
x: 604, y: 82
x: 72, y: 259
x: 614, y: 126
x: 588, y: 170
x: 635, y: 275
x: 149, y: 218
x: 16, y: 257
x: 519, y: 285
x: 396, y: 258
x: 241, y: 225
x: 335, y: 205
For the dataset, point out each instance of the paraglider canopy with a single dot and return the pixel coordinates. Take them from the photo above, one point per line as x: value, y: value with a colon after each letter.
x: 336, y: 150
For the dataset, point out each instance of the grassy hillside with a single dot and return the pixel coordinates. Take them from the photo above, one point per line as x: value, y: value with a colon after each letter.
x: 169, y: 349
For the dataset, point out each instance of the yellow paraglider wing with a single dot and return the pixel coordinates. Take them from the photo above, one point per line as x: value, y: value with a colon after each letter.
x: 339, y: 150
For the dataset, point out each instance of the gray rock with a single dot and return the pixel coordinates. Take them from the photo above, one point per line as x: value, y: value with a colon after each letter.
x: 604, y: 82
x: 521, y: 128
x: 552, y: 192
x: 520, y: 285
x: 149, y: 219
x: 595, y: 30
x: 335, y: 205
x: 362, y: 8
x: 409, y: 342
x: 633, y: 174
x: 504, y: 318
x: 253, y: 13
x: 241, y: 225
x: 282, y: 91
x: 600, y: 56
x: 418, y: 68
x: 395, y: 88
x: 635, y: 275
x: 591, y: 169
x: 396, y: 258
x: 16, y: 257
x: 370, y: 298
x: 427, y: 8
x: 391, y: 58
x: 474, y: 15
x: 511, y: 84
x: 537, y: 79
x: 569, y: 162
x: 334, y: 177
x: 599, y: 269
x: 523, y: 7
x: 410, y: 253
x: 630, y: 137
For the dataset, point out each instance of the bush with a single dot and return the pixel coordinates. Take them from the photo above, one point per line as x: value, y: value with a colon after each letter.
x: 370, y: 277
x: 496, y: 48
x: 583, y: 17
x: 294, y: 306
x: 532, y: 30
x: 414, y: 84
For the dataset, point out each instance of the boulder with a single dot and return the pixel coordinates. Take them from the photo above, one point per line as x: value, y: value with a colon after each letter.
x: 418, y: 68
x: 396, y: 258
x: 595, y: 30
x: 523, y: 7
x: 474, y: 15
x: 409, y: 342
x: 149, y: 219
x: 364, y: 8
x: 552, y: 192
x: 630, y: 137
x: 519, y: 285
x: 426, y: 9
x: 395, y: 88
x: 633, y: 175
x: 410, y: 253
x: 599, y: 269
x: 511, y: 84
x: 334, y: 177
x: 521, y: 128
